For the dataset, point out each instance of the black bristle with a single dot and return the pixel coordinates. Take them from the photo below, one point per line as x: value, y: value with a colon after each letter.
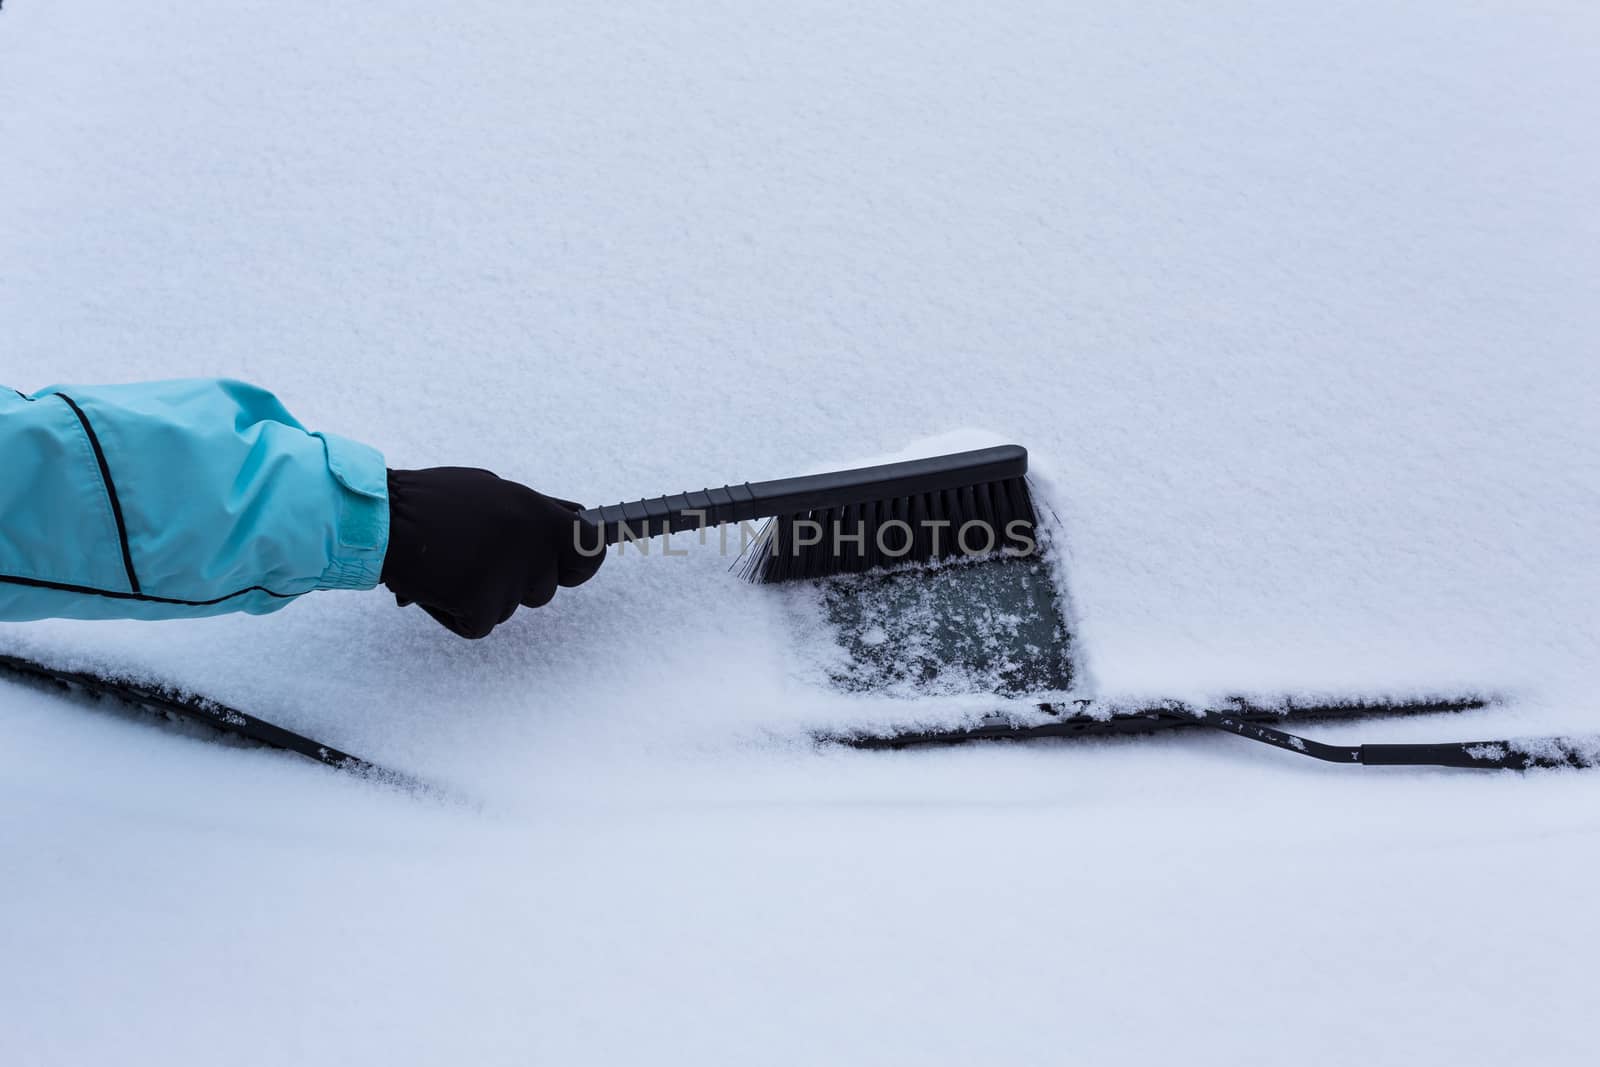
x: 821, y: 542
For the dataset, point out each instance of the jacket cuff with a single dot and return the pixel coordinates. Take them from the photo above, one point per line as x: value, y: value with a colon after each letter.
x: 363, y: 505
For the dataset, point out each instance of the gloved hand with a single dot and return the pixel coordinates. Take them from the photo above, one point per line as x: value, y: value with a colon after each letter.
x: 469, y: 547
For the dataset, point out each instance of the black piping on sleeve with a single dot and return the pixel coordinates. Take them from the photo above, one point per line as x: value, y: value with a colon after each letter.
x: 111, y: 491
x: 84, y: 590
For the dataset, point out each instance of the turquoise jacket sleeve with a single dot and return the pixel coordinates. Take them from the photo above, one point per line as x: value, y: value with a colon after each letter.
x: 174, y: 499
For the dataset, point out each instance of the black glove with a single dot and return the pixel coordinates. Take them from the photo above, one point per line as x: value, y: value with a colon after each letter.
x: 469, y: 547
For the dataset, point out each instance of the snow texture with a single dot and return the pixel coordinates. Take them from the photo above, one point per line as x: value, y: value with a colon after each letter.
x: 1293, y: 305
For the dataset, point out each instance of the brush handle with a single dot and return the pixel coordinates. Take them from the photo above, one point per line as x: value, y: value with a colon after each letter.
x: 788, y: 496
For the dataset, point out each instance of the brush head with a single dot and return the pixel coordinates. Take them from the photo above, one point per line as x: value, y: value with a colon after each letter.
x: 914, y: 511
x: 970, y: 520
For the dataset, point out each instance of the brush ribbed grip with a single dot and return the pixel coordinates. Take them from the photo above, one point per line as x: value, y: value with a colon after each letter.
x: 785, y: 496
x: 683, y: 511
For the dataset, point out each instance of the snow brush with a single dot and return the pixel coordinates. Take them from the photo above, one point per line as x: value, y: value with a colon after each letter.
x: 843, y: 522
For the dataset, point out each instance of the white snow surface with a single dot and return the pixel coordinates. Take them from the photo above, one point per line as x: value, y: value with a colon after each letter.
x: 1295, y: 306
